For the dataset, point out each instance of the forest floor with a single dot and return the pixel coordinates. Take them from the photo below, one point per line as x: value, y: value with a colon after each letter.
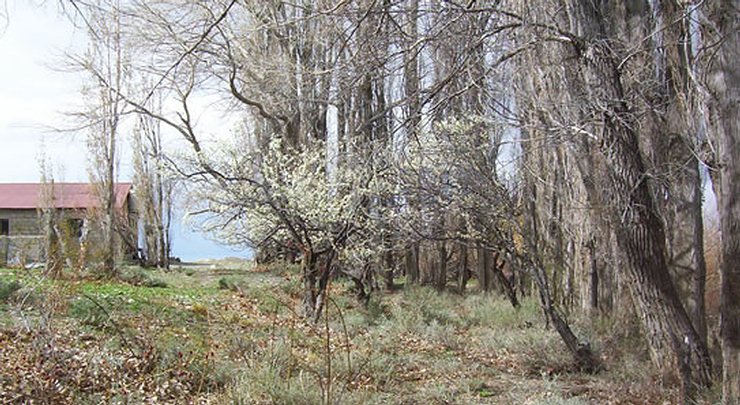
x: 227, y: 333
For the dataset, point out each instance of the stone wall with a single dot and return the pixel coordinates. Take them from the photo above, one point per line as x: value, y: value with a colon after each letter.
x: 24, y: 243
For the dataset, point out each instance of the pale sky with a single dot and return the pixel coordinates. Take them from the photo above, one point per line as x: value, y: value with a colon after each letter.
x: 34, y: 96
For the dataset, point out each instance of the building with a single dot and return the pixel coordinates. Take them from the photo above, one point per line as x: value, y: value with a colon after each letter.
x: 73, y: 204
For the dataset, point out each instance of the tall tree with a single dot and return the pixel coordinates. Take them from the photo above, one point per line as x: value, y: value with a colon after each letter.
x: 590, y: 41
x: 671, y: 148
x: 154, y: 189
x: 722, y: 42
x: 105, y: 66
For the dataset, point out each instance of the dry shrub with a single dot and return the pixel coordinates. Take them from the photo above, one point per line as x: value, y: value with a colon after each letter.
x: 61, y: 366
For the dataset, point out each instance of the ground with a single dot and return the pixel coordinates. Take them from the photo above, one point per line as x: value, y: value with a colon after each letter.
x: 226, y: 333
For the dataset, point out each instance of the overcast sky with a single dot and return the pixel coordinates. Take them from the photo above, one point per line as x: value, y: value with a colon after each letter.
x: 35, y: 95
x: 32, y: 95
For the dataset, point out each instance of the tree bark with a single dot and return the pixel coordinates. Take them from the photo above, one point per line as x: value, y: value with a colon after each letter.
x: 724, y: 106
x: 412, y: 263
x: 584, y: 357
x: 389, y: 267
x: 308, y: 271
x: 462, y: 270
x: 673, y: 137
x: 498, y: 271
x: 593, y: 291
x: 484, y: 265
x: 440, y: 279
x: 640, y: 235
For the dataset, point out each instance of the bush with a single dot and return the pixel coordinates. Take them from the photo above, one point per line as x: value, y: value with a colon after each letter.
x: 186, y: 365
x: 155, y: 283
x: 376, y: 311
x: 270, y: 377
x: 421, y: 306
x: 139, y: 277
x: 281, y: 268
x: 496, y: 312
x: 8, y: 289
x: 88, y: 313
x: 228, y: 283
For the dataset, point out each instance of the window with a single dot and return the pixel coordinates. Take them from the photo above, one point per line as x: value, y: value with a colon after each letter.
x: 4, y: 227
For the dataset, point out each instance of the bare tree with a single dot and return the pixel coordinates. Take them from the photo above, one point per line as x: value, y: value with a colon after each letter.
x: 54, y: 262
x: 154, y: 190
x: 105, y: 65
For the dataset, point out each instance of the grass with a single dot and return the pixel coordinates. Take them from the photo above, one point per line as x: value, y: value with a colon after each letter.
x: 8, y: 289
x: 228, y: 335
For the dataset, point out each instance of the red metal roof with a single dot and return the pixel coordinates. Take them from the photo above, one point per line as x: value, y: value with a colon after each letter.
x: 66, y: 195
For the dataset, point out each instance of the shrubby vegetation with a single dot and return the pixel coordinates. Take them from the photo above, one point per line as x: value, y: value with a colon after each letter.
x: 549, y: 151
x: 93, y: 341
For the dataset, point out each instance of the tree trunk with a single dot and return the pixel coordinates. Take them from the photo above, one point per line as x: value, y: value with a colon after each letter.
x: 484, y: 265
x: 640, y: 235
x: 412, y: 263
x: 110, y: 209
x: 462, y: 270
x: 54, y: 265
x: 584, y: 357
x: 308, y: 271
x: 724, y: 105
x: 593, y: 292
x: 389, y: 265
x: 498, y: 271
x: 325, y: 269
x: 673, y: 138
x: 440, y: 274
x: 730, y: 265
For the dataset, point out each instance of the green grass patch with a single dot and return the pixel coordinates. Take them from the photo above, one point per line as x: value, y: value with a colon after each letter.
x: 141, y: 277
x: 8, y: 288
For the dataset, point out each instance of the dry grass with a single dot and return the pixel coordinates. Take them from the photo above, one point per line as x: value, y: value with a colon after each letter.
x: 192, y: 342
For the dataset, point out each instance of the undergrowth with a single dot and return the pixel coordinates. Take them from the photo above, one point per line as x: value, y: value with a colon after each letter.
x: 231, y: 336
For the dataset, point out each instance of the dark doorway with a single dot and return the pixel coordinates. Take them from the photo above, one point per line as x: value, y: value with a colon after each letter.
x: 4, y: 231
x: 75, y: 227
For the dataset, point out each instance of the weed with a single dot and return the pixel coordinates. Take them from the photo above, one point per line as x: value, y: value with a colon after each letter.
x: 88, y: 313
x: 140, y: 277
x: 375, y: 311
x: 228, y: 283
x: 200, y: 310
x: 272, y: 375
x: 8, y: 289
x: 493, y: 311
x: 432, y: 305
x: 292, y: 287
